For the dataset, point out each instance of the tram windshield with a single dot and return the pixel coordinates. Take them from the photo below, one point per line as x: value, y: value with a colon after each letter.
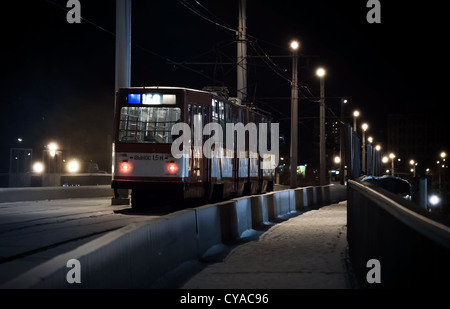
x: 147, y: 124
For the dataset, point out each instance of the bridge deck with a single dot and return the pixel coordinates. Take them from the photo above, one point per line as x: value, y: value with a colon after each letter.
x: 306, y: 251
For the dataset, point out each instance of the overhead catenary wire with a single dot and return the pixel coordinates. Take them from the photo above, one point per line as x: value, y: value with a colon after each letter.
x: 145, y: 49
x: 253, y: 42
x: 304, y: 91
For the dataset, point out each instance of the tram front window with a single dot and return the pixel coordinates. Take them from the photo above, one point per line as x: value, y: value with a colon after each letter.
x: 147, y: 124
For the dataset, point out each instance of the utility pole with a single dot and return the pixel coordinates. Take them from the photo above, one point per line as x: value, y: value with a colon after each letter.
x: 123, y: 68
x: 321, y: 74
x: 242, y: 52
x: 294, y: 114
x: 123, y: 43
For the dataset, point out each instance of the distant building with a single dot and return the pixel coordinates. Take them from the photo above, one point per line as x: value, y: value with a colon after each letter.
x: 418, y: 137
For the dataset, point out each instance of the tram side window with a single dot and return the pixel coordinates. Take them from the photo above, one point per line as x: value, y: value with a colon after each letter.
x: 228, y: 119
x: 147, y: 124
x: 189, y: 114
x: 214, y: 107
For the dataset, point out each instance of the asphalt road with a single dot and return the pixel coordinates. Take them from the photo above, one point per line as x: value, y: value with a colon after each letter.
x: 36, y: 231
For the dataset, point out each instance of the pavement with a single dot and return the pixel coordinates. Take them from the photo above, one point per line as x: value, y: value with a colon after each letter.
x: 306, y: 251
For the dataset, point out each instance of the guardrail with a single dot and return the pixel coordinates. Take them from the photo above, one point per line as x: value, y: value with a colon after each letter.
x: 141, y: 255
x: 412, y: 250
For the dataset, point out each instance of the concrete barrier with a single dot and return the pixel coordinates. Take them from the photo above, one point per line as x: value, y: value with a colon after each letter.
x: 317, y: 196
x: 235, y: 218
x: 281, y: 203
x: 209, y: 227
x: 51, y: 193
x: 301, y: 198
x: 140, y: 254
x: 260, y: 211
x: 292, y: 201
x: 325, y: 193
x: 312, y: 200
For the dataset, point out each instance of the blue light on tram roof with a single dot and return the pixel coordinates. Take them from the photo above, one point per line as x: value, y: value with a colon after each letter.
x: 134, y: 98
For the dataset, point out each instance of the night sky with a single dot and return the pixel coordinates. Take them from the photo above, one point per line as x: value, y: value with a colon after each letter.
x: 57, y: 80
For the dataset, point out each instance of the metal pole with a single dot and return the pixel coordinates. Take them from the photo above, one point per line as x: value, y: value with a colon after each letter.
x: 364, y: 151
x: 341, y: 147
x: 242, y: 52
x: 123, y: 65
x: 322, y: 133
x: 123, y: 43
x: 294, y: 119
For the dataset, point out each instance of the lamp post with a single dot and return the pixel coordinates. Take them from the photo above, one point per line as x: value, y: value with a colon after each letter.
x: 364, y: 127
x: 355, y: 115
x: 376, y: 161
x: 413, y: 169
x: 342, y: 144
x: 294, y: 113
x: 321, y: 74
x: 392, y: 156
x: 443, y: 155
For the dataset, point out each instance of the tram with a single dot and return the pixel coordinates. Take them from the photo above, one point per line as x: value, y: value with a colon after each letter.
x: 157, y: 163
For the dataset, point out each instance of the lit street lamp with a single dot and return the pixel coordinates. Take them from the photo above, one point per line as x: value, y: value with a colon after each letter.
x: 52, y: 158
x: 364, y: 127
x: 73, y: 166
x: 392, y: 156
x: 355, y: 115
x: 443, y: 155
x: 321, y: 74
x: 294, y: 113
x: 342, y: 143
x: 52, y: 148
x: 376, y: 160
x: 413, y: 169
x: 38, y: 167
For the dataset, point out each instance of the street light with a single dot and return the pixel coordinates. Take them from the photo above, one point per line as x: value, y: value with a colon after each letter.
x: 337, y: 159
x: 364, y: 127
x: 343, y: 101
x: 73, y: 166
x: 295, y: 45
x: 38, y: 167
x: 443, y: 154
x: 321, y: 74
x: 355, y: 115
x: 52, y: 148
x: 392, y: 156
x: 413, y: 169
x: 342, y: 143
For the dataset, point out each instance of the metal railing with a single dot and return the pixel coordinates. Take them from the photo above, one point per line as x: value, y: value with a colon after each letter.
x: 412, y: 249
